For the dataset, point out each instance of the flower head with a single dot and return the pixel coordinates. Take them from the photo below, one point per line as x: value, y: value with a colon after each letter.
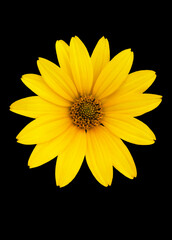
x: 83, y: 108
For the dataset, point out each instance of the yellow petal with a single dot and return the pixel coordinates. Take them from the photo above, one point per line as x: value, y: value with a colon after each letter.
x: 44, y: 152
x: 98, y: 157
x: 129, y: 129
x: 137, y: 82
x: 120, y: 155
x: 35, y: 107
x: 62, y: 50
x: 37, y: 84
x: 81, y: 66
x: 113, y: 74
x: 57, y: 79
x: 100, y: 57
x: 70, y: 161
x: 43, y: 129
x: 134, y: 105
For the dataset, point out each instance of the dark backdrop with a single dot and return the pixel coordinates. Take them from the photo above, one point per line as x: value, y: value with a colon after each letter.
x: 31, y: 34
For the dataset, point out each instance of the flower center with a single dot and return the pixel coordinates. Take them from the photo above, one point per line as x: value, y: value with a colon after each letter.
x: 86, y: 112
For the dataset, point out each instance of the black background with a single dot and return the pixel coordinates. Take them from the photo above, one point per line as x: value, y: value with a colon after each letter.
x: 32, y: 33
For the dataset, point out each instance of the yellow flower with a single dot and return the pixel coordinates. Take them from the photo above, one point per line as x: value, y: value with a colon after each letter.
x: 84, y: 108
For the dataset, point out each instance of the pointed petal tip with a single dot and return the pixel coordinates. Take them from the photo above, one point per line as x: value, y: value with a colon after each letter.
x: 39, y: 62
x: 11, y: 107
x: 76, y: 37
x: 57, y: 41
x: 151, y: 72
x: 151, y: 142
x: 109, y: 185
x: 154, y: 138
x: 133, y: 175
x: 22, y: 77
x: 128, y: 50
x: 73, y: 38
x: 132, y: 56
x: 104, y: 39
x: 104, y: 184
x: 40, y: 59
x: 30, y: 166
x: 59, y: 185
x: 18, y: 141
x: 58, y: 44
x: 21, y: 141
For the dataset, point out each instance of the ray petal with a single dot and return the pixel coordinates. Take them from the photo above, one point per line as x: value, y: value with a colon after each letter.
x: 70, y: 161
x: 81, y: 66
x: 35, y: 107
x: 133, y: 104
x: 42, y: 129
x: 57, y: 79
x: 98, y: 158
x: 37, y: 84
x: 114, y: 73
x: 130, y: 129
x: 100, y: 57
x: 120, y: 155
x: 44, y: 152
x: 137, y: 82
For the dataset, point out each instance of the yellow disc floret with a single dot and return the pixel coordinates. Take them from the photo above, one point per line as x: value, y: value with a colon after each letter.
x: 86, y: 112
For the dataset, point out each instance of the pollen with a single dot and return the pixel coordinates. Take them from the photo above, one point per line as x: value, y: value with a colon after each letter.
x: 86, y: 112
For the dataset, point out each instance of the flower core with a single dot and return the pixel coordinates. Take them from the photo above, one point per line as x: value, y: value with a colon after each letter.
x: 86, y: 112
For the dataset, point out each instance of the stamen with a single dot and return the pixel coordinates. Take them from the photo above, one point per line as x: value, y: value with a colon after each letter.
x: 86, y: 112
